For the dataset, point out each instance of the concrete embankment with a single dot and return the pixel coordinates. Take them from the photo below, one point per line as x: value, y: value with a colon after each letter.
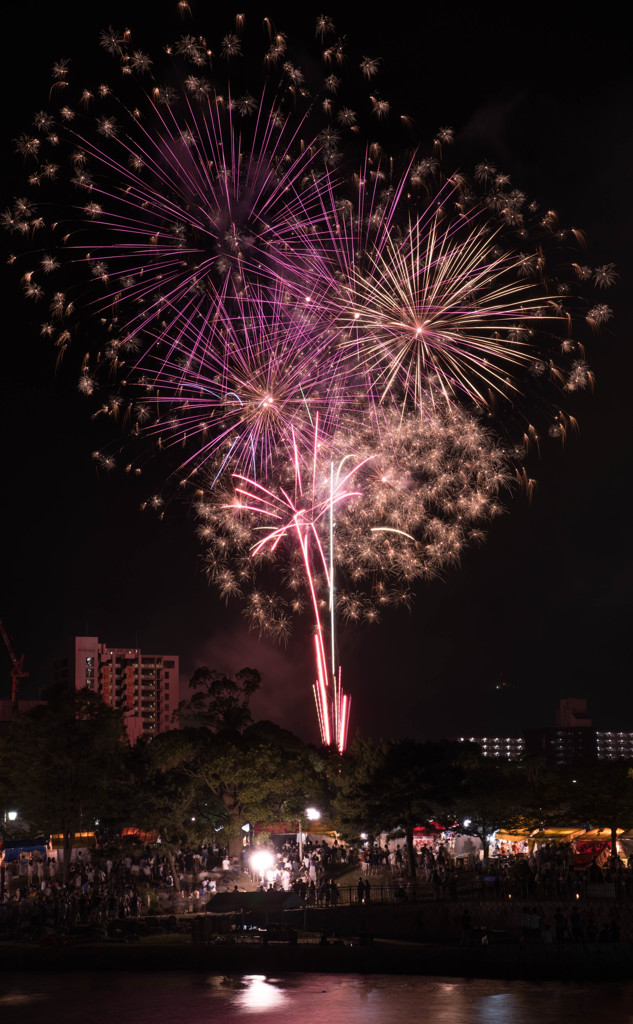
x: 511, y: 960
x: 422, y: 938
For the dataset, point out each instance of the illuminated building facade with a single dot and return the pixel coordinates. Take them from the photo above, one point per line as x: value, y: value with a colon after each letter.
x: 146, y: 687
x: 508, y: 747
x: 612, y: 745
x: 572, y: 740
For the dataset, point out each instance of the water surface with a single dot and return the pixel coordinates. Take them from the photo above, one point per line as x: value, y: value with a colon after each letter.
x: 183, y: 998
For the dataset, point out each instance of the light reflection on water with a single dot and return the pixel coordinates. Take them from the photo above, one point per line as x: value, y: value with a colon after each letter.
x: 183, y: 998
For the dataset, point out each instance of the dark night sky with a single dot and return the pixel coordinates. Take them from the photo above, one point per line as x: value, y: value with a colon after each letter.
x: 544, y: 604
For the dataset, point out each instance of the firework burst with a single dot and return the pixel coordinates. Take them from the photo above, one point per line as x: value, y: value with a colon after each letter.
x: 406, y: 497
x: 248, y: 387
x: 306, y: 320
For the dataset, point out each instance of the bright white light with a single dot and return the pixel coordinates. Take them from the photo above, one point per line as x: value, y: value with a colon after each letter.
x: 246, y: 827
x: 363, y: 835
x: 261, y: 860
x: 259, y: 994
x: 466, y: 822
x: 12, y: 815
x: 312, y: 814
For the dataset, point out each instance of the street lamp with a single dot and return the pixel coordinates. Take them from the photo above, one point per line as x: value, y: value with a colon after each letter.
x: 311, y: 814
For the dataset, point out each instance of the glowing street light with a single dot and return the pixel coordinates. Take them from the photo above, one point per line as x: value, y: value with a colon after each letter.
x: 311, y: 814
x: 261, y: 861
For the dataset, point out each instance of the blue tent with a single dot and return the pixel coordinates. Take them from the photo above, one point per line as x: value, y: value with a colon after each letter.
x: 14, y: 848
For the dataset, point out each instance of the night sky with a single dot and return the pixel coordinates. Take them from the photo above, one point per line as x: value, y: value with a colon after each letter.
x: 542, y: 609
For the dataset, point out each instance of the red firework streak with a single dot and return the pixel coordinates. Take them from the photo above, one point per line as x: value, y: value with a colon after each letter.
x: 302, y: 518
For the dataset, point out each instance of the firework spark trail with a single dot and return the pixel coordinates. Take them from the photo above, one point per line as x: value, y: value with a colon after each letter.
x: 299, y: 517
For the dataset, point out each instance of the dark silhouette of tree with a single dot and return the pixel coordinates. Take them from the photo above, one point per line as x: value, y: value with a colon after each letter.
x: 164, y: 799
x: 502, y: 794
x: 243, y: 772
x: 599, y: 795
x: 220, y: 702
x: 398, y: 785
x: 64, y: 762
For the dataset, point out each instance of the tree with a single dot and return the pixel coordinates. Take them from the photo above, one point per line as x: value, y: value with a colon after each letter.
x: 220, y: 702
x: 63, y: 761
x: 261, y: 775
x: 599, y: 795
x: 164, y: 799
x: 243, y: 772
x: 399, y: 785
x: 501, y: 794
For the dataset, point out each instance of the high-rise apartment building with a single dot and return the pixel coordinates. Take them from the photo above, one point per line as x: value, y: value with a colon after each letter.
x: 145, y: 687
x: 572, y: 741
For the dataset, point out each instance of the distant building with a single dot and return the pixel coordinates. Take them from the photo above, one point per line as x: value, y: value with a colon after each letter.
x: 562, y: 746
x: 572, y: 740
x: 146, y: 687
x: 508, y: 747
x: 572, y: 714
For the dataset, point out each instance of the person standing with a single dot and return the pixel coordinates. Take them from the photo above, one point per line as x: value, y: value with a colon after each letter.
x: 360, y: 890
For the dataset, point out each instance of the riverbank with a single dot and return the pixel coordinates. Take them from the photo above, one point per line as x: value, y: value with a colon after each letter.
x: 596, y: 962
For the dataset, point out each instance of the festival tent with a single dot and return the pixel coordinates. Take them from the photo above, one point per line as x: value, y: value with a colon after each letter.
x: 466, y: 846
x: 625, y: 845
x: 597, y: 842
x: 556, y: 835
x: 592, y: 845
x: 12, y: 849
x: 432, y: 829
x: 82, y: 842
x: 598, y: 835
x: 537, y: 837
x: 130, y: 832
x: 515, y: 835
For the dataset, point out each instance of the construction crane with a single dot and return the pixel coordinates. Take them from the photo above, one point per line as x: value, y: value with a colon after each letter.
x: 17, y: 669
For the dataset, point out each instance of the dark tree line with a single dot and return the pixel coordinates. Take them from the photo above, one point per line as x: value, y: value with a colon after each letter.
x: 68, y: 767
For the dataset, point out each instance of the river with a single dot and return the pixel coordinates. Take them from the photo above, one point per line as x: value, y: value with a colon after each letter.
x: 189, y: 998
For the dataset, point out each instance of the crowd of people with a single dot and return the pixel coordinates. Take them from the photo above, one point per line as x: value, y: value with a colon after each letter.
x: 101, y: 888
x: 104, y: 887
